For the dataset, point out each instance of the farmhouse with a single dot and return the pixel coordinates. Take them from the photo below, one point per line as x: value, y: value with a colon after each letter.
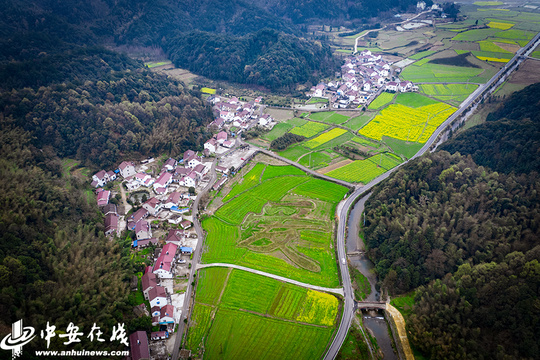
x: 143, y: 230
x: 175, y: 236
x: 173, y: 200
x: 103, y: 198
x: 221, y: 137
x: 210, y: 145
x: 137, y: 216
x: 138, y: 344
x: 157, y: 297
x: 99, y: 179
x: 153, y: 206
x: 149, y: 281
x: 163, y: 180
x: 164, y: 264
x: 159, y: 335
x: 166, y: 316
x: 127, y: 168
x: 170, y: 164
x: 111, y: 224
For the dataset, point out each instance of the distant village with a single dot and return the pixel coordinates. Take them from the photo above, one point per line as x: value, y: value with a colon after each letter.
x: 363, y: 78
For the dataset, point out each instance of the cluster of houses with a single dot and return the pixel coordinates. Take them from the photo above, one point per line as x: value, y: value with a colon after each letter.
x: 187, y: 172
x: 220, y: 139
x: 230, y: 112
x: 362, y: 77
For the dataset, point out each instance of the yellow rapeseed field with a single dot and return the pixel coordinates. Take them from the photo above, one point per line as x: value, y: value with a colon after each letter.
x: 319, y: 308
x: 406, y: 123
x: 324, y: 138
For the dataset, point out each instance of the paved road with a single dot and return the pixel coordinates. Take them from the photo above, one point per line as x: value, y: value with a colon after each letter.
x: 277, y: 277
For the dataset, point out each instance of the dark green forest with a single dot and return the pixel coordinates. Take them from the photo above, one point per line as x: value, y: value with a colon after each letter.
x: 463, y: 229
x: 252, y: 59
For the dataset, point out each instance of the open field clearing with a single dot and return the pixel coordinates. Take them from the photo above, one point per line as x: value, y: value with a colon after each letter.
x: 324, y: 138
x: 492, y: 47
x: 330, y: 117
x: 257, y: 315
x: 278, y: 130
x: 440, y: 73
x: 476, y: 34
x: 251, y: 179
x: 316, y: 100
x: 309, y: 129
x: 365, y: 170
x: 406, y: 123
x: 453, y: 93
x: 263, y: 227
x: 358, y: 122
x: 383, y: 99
x: 422, y: 54
x: 414, y: 100
x: 294, y: 152
x: 315, y: 159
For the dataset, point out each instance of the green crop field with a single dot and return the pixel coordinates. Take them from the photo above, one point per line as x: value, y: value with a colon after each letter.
x: 324, y: 138
x: 273, y: 171
x: 240, y: 335
x: 365, y: 170
x: 257, y: 312
x: 315, y: 100
x: 500, y: 25
x: 422, y: 54
x: 252, y: 178
x: 278, y: 130
x: 294, y: 152
x: 321, y: 189
x: 381, y: 100
x: 262, y: 227
x: 330, y: 117
x: 358, y: 122
x: 309, y: 129
x: 215, y: 279
x: 488, y: 3
x: 414, y: 100
x: 315, y: 159
x: 405, y: 148
x: 365, y: 142
x: 515, y: 34
x: 440, y: 73
x: 491, y: 47
x: 342, y: 139
x: 477, y: 34
x: 421, y: 62
x: 407, y: 123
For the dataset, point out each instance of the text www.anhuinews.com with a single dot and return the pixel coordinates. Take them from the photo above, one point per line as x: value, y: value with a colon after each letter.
x: 81, y: 353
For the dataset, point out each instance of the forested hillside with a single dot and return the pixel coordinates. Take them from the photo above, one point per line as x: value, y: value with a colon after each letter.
x: 467, y: 238
x: 253, y: 59
x: 509, y: 140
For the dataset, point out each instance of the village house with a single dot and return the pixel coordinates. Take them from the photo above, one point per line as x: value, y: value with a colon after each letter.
x: 163, y: 180
x: 99, y: 179
x: 111, y: 224
x: 392, y: 86
x: 222, y: 169
x: 157, y: 297
x: 221, y: 137
x: 159, y: 335
x: 138, y: 344
x: 175, y: 236
x: 193, y: 161
x: 170, y: 164
x: 153, y: 206
x: 148, y: 281
x: 103, y: 198
x: 137, y: 216
x: 173, y: 200
x: 127, y: 168
x: 143, y: 230
x: 143, y: 179
x: 163, y: 267
x: 166, y: 316
x: 141, y: 244
x: 110, y: 209
x: 405, y: 86
x: 210, y: 145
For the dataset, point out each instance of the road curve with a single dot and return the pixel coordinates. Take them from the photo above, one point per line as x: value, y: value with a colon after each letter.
x: 277, y: 277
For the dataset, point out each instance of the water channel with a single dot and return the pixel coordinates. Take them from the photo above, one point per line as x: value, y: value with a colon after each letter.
x: 375, y: 323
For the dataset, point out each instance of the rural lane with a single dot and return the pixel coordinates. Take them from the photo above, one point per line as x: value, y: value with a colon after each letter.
x: 277, y: 277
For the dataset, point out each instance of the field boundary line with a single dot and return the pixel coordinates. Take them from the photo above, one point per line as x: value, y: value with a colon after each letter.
x: 277, y: 277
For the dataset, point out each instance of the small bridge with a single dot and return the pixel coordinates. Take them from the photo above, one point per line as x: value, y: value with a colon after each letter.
x: 359, y: 252
x: 367, y: 305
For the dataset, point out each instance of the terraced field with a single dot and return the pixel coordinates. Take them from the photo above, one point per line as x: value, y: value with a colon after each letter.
x: 264, y: 227
x: 259, y: 318
x: 455, y: 93
x: 381, y: 100
x: 406, y: 123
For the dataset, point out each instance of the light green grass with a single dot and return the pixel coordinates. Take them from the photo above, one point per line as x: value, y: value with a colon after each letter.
x: 422, y: 54
x: 322, y: 190
x: 316, y: 100
x: 330, y: 117
x: 453, y: 93
x: 329, y: 145
x: 152, y: 64
x: 214, y: 280
x: 381, y: 100
x: 278, y: 130
x: 358, y: 122
x: 199, y: 326
x: 490, y: 46
x: 440, y: 73
x: 294, y: 152
x: 240, y: 335
x: 315, y: 159
x: 477, y: 34
x: 337, y: 119
x: 404, y: 304
x: 366, y: 142
x: 273, y: 171
x: 309, y: 129
x: 515, y: 34
x: 414, y: 100
x: 405, y: 148
x: 252, y: 178
x: 250, y: 292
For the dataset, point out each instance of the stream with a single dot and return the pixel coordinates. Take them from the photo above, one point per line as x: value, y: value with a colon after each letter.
x: 375, y: 324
